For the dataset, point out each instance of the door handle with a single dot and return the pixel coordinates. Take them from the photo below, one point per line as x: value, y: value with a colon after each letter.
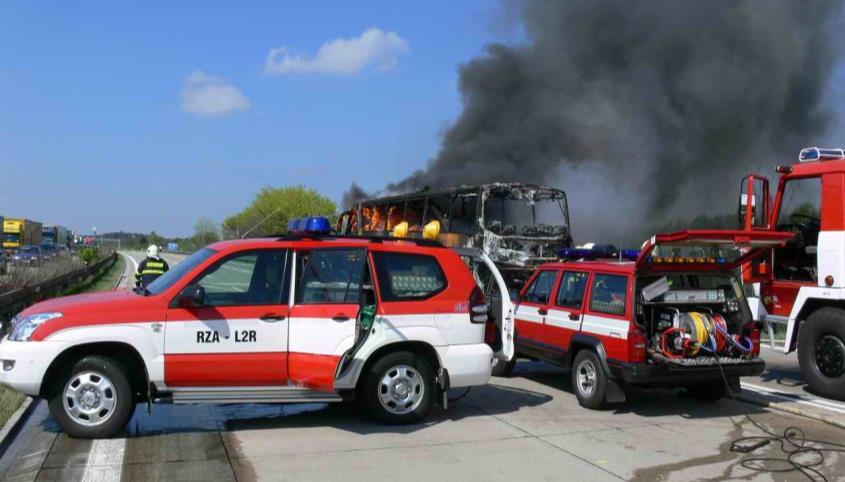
x: 542, y: 311
x: 272, y: 317
x: 340, y: 317
x: 574, y: 316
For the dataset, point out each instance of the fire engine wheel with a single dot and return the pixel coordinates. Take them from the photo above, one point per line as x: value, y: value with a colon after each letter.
x: 94, y: 399
x: 589, y: 380
x: 821, y: 352
x: 399, y: 388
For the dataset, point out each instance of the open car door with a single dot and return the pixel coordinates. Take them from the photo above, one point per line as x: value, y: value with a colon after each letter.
x: 708, y: 249
x: 500, y: 306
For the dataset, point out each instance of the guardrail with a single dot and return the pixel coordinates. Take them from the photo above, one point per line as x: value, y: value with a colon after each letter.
x: 14, y: 301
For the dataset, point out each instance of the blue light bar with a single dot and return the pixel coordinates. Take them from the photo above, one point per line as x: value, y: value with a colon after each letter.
x: 310, y: 225
x: 809, y: 154
x: 602, y: 251
x: 630, y: 254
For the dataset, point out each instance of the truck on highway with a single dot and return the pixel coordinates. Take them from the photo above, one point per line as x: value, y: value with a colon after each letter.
x: 801, y: 285
x: 519, y: 226
x: 55, y: 235
x: 18, y: 232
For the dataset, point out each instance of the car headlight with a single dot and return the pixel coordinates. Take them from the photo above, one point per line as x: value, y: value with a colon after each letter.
x: 23, y: 327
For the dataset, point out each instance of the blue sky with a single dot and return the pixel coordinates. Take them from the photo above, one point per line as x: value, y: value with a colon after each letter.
x: 147, y: 116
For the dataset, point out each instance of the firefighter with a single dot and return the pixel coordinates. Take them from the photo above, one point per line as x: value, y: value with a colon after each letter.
x: 150, y: 268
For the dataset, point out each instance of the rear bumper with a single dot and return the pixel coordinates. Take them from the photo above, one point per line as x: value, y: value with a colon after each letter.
x: 662, y: 375
x: 468, y: 365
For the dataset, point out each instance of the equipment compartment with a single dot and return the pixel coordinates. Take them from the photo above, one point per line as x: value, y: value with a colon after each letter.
x: 694, y: 319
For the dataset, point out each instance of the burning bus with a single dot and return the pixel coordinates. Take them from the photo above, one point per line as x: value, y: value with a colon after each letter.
x: 519, y: 226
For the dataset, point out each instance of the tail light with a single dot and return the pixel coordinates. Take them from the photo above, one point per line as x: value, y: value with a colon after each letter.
x: 752, y: 331
x: 491, y: 334
x: 477, y: 306
x: 636, y: 345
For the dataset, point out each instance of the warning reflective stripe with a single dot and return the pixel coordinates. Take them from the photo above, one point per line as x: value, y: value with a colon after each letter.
x: 153, y: 264
x: 152, y: 271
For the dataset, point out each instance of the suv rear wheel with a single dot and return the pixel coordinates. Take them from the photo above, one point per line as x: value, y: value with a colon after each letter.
x: 399, y: 388
x: 93, y: 399
x: 589, y: 380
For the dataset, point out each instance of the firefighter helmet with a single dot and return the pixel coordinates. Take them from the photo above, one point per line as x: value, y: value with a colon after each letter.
x: 152, y: 251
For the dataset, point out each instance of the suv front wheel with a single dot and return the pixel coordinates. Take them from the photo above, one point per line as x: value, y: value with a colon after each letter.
x: 399, y: 388
x: 589, y: 380
x: 94, y: 398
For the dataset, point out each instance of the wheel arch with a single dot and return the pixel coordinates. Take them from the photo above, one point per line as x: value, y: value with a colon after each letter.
x: 123, y: 353
x: 810, y: 306
x: 421, y: 348
x: 581, y: 341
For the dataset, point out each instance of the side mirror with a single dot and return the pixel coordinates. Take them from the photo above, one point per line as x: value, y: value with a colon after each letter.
x: 754, y: 203
x: 192, y: 296
x: 747, y: 204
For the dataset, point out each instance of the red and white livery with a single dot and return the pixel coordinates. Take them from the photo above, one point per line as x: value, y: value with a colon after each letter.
x: 673, y: 314
x: 307, y: 317
x: 802, y: 284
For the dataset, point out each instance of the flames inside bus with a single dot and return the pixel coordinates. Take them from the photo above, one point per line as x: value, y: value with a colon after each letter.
x: 519, y: 226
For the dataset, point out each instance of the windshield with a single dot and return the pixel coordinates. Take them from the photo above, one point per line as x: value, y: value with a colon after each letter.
x: 13, y: 237
x: 508, y: 216
x: 29, y: 249
x: 165, y: 281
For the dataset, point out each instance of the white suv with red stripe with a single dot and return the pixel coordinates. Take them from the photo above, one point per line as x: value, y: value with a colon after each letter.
x: 304, y: 318
x: 672, y: 314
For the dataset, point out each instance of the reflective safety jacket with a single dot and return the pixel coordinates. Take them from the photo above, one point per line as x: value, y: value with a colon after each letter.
x: 150, y: 269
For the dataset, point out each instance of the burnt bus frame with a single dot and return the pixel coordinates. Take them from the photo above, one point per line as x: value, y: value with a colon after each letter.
x: 453, y: 193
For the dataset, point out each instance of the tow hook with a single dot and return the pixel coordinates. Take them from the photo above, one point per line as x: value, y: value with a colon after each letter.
x: 443, y: 387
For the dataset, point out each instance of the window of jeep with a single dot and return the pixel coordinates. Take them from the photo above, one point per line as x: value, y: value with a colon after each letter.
x: 249, y: 278
x: 541, y: 288
x: 165, y: 281
x: 330, y: 276
x: 609, y: 294
x: 572, y: 288
x: 408, y: 277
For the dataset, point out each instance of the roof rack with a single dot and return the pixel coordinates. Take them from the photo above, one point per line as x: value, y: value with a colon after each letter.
x: 374, y: 239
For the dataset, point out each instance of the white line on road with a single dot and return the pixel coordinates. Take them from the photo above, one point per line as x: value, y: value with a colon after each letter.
x: 105, y: 460
x: 791, y: 397
x: 130, y: 258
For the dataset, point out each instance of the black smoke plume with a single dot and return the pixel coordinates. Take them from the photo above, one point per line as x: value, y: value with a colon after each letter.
x: 642, y: 110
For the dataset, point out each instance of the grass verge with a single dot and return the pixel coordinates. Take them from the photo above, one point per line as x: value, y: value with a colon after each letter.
x: 105, y: 281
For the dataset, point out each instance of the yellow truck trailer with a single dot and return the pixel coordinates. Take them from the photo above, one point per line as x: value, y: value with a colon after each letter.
x: 19, y: 232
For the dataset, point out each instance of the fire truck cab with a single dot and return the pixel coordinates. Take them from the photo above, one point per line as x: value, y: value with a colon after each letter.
x: 673, y: 314
x: 307, y: 317
x: 802, y: 284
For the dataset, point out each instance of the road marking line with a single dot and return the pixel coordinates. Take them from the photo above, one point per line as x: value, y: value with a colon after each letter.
x: 796, y: 395
x: 105, y: 460
x: 822, y: 404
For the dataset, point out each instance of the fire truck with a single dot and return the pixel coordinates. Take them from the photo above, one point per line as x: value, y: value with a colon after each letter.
x: 801, y: 285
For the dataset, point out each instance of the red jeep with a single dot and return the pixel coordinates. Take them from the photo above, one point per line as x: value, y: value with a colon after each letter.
x: 671, y: 315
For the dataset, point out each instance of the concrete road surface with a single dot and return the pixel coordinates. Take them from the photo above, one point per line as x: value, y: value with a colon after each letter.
x: 524, y: 428
x: 782, y: 385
